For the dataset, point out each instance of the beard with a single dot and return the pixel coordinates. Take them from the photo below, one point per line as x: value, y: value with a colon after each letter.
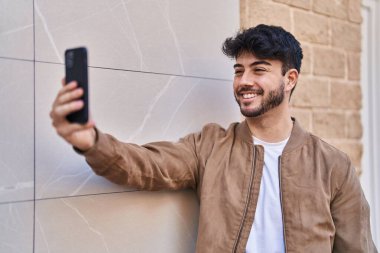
x: 274, y: 99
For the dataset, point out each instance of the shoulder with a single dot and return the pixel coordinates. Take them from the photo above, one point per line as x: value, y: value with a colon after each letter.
x: 313, y: 146
x: 336, y: 162
x: 210, y: 134
x: 215, y: 131
x: 327, y: 151
x: 318, y: 154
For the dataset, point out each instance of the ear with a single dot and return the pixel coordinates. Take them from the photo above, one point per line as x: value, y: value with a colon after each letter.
x: 291, y: 78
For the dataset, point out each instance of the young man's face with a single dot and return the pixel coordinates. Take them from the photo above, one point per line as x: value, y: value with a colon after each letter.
x: 258, y: 84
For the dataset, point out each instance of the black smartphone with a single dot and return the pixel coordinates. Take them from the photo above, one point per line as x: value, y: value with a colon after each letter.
x: 77, y: 70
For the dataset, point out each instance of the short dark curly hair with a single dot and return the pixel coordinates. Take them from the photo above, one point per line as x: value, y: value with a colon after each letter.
x: 266, y: 42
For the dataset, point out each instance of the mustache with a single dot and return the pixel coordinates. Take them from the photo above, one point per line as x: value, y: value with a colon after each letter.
x: 258, y: 91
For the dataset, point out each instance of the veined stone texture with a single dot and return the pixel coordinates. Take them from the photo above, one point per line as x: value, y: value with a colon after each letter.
x: 156, y: 73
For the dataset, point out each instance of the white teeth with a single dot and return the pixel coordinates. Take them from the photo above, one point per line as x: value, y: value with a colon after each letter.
x: 250, y: 95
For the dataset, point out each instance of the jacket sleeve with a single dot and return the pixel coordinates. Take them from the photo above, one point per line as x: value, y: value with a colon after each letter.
x: 350, y: 212
x: 154, y: 166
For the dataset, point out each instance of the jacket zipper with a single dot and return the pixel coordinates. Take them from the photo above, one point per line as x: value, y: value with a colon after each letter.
x: 282, y: 209
x: 247, y: 201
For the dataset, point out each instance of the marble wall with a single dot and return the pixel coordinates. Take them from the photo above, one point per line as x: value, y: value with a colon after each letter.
x: 156, y: 73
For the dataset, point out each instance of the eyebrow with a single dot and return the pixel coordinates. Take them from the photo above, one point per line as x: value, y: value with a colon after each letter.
x: 253, y: 64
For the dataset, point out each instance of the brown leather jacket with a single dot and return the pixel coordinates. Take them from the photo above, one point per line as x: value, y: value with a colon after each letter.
x: 324, y: 209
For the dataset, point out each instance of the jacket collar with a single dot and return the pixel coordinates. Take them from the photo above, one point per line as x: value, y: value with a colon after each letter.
x: 297, y: 138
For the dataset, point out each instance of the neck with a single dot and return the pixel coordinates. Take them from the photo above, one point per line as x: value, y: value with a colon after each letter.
x: 273, y: 126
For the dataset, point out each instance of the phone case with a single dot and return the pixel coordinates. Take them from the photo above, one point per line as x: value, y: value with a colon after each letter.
x: 77, y: 69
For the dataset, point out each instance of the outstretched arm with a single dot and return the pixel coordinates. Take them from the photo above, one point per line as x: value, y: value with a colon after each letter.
x: 154, y: 166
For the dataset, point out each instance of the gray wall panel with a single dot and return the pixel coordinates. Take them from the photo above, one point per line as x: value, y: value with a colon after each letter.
x: 174, y: 36
x: 123, y: 222
x: 16, y: 29
x: 16, y: 130
x: 157, y: 73
x: 16, y: 227
x: 134, y: 107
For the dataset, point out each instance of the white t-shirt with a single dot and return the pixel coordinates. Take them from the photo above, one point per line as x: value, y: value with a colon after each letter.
x: 267, y: 230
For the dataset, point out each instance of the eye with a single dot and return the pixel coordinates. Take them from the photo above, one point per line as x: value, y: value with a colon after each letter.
x: 238, y: 72
x: 260, y: 70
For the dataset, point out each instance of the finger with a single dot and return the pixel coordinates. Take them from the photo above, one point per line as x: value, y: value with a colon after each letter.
x: 63, y: 110
x: 68, y: 129
x: 70, y: 86
x: 67, y: 87
x: 64, y: 123
x: 63, y: 81
x: 69, y: 96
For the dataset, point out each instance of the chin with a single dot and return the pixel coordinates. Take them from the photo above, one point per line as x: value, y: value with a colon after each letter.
x: 251, y: 113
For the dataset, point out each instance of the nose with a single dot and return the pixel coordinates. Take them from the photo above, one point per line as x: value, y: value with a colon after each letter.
x: 246, y: 79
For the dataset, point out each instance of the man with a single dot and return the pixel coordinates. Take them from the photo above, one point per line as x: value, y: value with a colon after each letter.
x: 264, y: 185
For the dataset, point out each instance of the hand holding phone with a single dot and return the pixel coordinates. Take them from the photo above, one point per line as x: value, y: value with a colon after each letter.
x: 77, y: 70
x: 71, y: 103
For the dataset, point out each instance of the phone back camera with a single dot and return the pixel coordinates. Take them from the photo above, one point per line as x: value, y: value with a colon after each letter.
x: 70, y: 59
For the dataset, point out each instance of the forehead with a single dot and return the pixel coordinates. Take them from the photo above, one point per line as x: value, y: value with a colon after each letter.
x: 246, y: 59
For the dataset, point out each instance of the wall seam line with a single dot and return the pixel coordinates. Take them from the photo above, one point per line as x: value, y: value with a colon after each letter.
x: 34, y: 131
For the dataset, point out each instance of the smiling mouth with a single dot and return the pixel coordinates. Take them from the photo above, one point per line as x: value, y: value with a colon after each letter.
x: 249, y: 92
x: 249, y: 95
